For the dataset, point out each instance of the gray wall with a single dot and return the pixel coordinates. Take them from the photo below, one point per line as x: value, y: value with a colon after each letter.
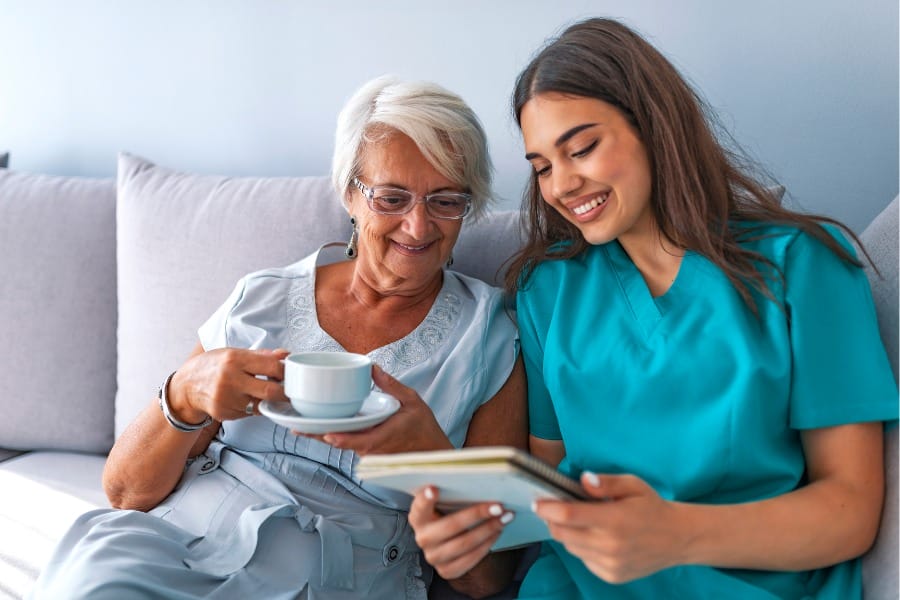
x: 810, y: 88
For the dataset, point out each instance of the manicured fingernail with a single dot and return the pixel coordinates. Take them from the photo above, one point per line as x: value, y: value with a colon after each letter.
x: 327, y: 439
x: 495, y: 510
x: 429, y: 493
x: 592, y: 478
x: 507, y: 517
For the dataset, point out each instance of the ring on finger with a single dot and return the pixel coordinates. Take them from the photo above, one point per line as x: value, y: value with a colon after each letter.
x: 250, y: 408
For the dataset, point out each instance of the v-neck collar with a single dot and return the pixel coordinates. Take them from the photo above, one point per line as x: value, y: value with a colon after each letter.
x: 647, y: 310
x: 441, y: 317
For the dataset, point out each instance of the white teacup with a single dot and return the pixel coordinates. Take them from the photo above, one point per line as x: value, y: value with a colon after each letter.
x: 327, y: 385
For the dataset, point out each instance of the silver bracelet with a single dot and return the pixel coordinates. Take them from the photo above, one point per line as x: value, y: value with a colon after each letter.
x: 167, y: 410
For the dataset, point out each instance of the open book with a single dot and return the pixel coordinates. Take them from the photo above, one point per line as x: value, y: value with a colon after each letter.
x: 502, y: 474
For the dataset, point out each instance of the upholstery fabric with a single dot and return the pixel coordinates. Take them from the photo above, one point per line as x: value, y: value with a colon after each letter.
x: 881, y: 241
x: 183, y: 241
x: 43, y: 494
x: 484, y: 246
x: 57, y: 312
x: 7, y: 454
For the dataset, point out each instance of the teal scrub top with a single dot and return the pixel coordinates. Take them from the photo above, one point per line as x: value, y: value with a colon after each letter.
x: 697, y: 395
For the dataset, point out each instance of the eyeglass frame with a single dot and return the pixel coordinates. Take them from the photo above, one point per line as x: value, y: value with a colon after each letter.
x: 368, y: 193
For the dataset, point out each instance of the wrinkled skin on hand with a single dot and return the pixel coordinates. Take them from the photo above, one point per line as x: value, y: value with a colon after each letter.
x: 221, y: 382
x: 413, y: 427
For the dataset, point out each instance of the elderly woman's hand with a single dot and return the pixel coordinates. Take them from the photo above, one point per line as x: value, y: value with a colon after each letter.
x: 455, y: 543
x: 413, y: 427
x: 223, y: 384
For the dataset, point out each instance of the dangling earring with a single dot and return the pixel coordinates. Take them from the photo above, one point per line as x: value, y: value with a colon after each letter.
x: 354, y: 236
x: 450, y: 261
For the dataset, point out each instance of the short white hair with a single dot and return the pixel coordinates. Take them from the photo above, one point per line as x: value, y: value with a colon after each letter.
x: 445, y: 129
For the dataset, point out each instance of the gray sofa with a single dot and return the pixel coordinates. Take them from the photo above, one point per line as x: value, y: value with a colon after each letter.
x: 105, y: 282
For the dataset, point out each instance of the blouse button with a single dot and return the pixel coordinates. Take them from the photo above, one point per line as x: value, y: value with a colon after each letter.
x: 391, y: 554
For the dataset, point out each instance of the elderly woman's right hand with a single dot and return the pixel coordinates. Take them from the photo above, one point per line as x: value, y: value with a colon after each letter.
x: 147, y: 460
x: 223, y: 383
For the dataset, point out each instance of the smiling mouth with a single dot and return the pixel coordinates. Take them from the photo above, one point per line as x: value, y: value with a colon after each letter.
x: 591, y: 204
x: 413, y: 249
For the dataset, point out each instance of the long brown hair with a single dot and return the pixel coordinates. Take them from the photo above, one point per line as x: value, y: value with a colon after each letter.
x: 705, y: 197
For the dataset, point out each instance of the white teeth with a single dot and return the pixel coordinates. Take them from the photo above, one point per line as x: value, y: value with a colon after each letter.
x: 412, y: 248
x: 593, y: 203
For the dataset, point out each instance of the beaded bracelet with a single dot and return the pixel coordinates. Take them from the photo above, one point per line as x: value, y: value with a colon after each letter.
x: 167, y: 410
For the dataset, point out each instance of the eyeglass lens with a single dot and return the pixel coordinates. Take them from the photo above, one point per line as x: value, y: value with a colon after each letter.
x: 394, y: 201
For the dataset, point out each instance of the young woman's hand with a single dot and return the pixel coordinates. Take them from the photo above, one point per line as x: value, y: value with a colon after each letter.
x: 628, y: 532
x: 456, y: 542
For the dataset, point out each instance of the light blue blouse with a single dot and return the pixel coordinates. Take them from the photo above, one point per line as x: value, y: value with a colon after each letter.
x: 264, y: 513
x: 456, y: 359
x: 697, y: 395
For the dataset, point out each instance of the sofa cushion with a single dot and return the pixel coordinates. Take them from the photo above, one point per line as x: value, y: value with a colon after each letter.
x: 880, y: 580
x: 57, y: 312
x: 183, y: 242
x: 44, y: 492
x: 484, y: 246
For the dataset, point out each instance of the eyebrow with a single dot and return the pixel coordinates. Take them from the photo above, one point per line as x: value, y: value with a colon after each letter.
x: 565, y: 137
x: 397, y: 186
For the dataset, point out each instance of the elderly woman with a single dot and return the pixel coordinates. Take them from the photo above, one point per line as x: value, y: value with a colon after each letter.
x: 262, y: 513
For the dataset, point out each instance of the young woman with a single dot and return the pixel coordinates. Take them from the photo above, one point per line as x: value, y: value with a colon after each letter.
x: 705, y: 360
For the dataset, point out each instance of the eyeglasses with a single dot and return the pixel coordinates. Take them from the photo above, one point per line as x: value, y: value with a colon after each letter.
x: 394, y: 201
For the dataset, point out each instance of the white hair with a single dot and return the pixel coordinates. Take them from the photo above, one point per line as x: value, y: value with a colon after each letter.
x: 445, y: 129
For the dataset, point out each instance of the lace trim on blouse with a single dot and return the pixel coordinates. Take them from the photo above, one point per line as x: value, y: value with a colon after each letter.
x: 305, y: 335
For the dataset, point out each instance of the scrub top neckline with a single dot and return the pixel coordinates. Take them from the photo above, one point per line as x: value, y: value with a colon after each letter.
x: 647, y: 310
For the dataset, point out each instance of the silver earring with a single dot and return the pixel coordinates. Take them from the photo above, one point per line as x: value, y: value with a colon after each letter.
x: 350, y: 252
x: 450, y: 261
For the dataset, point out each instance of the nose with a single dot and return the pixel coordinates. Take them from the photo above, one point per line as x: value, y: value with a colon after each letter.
x: 564, y: 181
x: 417, y: 221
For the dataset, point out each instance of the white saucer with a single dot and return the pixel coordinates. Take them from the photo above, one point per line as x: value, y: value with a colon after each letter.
x: 375, y: 409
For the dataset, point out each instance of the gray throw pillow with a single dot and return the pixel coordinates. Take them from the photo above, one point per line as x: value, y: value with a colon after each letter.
x: 484, y: 246
x: 778, y: 190
x: 57, y: 312
x: 183, y: 242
